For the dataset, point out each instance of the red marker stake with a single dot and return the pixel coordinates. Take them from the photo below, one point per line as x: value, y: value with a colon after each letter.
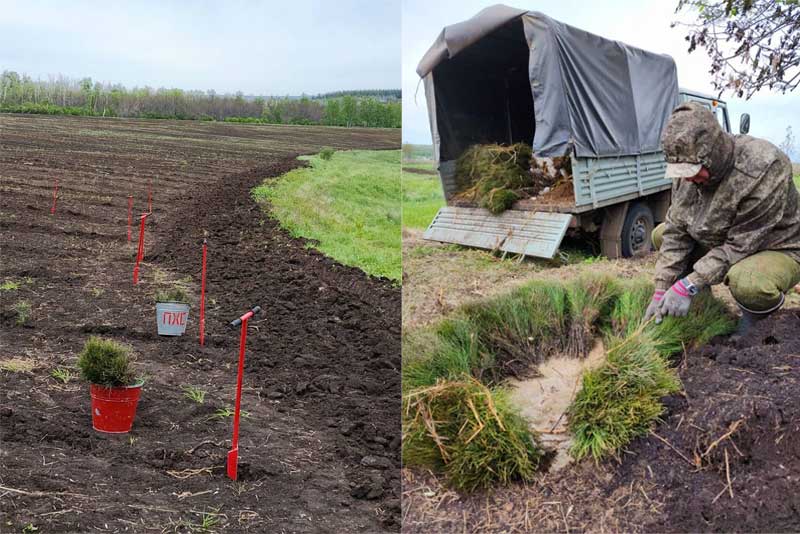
x: 130, y: 216
x: 203, y: 296
x: 233, y: 454
x: 140, y: 251
x: 55, y: 197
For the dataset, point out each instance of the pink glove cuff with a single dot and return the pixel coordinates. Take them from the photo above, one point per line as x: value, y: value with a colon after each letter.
x: 680, y: 289
x: 658, y: 295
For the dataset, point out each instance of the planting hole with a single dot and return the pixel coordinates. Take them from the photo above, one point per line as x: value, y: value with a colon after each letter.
x: 544, y: 399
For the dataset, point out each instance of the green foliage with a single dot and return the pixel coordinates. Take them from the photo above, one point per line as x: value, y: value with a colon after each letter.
x: 348, y: 207
x: 499, y: 199
x: 446, y: 364
x: 496, y: 337
x: 491, y: 174
x: 9, y: 285
x: 422, y: 198
x: 223, y: 413
x: 106, y: 362
x: 64, y: 96
x: 176, y: 293
x: 61, y: 374
x: 23, y: 311
x: 621, y: 399
x: 44, y: 109
x: 326, y: 153
x: 227, y: 411
x: 589, y: 298
x: 470, y: 432
x: 194, y: 393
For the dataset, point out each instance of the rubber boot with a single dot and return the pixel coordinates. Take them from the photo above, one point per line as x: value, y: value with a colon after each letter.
x: 750, y: 318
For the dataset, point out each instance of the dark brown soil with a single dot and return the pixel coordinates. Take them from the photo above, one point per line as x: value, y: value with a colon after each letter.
x: 740, y: 418
x: 740, y: 403
x: 319, y: 450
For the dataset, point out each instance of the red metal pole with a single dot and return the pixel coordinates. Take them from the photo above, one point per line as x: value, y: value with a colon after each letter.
x: 238, y: 408
x: 233, y: 454
x: 140, y: 251
x: 55, y: 197
x: 203, y: 296
x: 130, y: 216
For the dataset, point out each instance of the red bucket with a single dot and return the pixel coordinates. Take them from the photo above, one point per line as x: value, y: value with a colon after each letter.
x: 113, y: 409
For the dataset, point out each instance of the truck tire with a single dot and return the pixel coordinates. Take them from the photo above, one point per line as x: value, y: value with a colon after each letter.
x: 636, y: 231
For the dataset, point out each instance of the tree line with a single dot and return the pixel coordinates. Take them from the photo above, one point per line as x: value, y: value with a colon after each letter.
x: 61, y: 95
x: 379, y: 94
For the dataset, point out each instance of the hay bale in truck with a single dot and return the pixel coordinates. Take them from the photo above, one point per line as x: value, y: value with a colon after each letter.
x: 586, y: 104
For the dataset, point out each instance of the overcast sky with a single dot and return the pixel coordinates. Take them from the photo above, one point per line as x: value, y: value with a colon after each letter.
x: 257, y: 47
x: 641, y: 23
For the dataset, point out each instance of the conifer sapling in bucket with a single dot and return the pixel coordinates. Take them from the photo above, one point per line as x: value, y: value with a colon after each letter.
x: 172, y: 311
x: 106, y: 365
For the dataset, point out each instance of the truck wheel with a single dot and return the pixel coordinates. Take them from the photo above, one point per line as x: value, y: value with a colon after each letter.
x: 636, y: 231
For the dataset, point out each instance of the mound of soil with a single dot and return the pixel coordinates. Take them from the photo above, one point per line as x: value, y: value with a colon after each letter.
x: 738, y: 419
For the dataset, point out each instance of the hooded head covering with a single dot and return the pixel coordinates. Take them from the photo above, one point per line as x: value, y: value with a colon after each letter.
x: 693, y: 138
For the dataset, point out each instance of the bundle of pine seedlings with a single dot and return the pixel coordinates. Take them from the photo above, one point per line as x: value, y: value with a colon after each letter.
x: 470, y: 432
x: 480, y: 344
x: 493, y: 176
x: 621, y: 400
x: 452, y: 370
x: 492, y: 339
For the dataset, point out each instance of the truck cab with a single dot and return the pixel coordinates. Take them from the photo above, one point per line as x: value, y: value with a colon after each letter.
x: 716, y: 106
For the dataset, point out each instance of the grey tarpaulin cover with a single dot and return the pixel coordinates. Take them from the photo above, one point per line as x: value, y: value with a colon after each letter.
x: 508, y: 75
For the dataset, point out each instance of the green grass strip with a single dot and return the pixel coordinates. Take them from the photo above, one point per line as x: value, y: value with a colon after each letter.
x: 422, y: 198
x: 348, y: 206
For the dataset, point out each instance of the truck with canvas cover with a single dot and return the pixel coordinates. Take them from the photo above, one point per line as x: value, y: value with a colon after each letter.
x: 591, y: 109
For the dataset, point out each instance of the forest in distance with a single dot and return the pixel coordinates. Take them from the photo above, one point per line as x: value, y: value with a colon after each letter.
x: 60, y: 95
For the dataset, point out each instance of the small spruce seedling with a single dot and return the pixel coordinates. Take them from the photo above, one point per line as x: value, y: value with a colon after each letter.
x: 61, y: 374
x: 23, y: 311
x: 174, y: 294
x: 106, y: 362
x: 194, y: 393
x: 9, y: 285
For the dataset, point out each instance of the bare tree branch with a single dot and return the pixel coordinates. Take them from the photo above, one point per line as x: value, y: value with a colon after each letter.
x: 753, y: 44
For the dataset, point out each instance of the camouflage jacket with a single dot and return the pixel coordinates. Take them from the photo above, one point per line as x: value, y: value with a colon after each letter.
x: 750, y: 203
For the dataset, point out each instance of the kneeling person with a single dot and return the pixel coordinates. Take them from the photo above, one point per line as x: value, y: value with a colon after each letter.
x: 734, y: 218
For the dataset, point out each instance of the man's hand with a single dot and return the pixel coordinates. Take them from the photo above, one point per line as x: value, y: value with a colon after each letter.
x: 676, y: 301
x: 652, y: 309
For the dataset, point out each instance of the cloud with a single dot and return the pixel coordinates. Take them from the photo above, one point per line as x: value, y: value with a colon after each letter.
x: 256, y: 47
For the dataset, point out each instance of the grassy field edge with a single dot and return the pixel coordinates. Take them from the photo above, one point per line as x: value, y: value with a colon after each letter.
x: 347, y: 206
